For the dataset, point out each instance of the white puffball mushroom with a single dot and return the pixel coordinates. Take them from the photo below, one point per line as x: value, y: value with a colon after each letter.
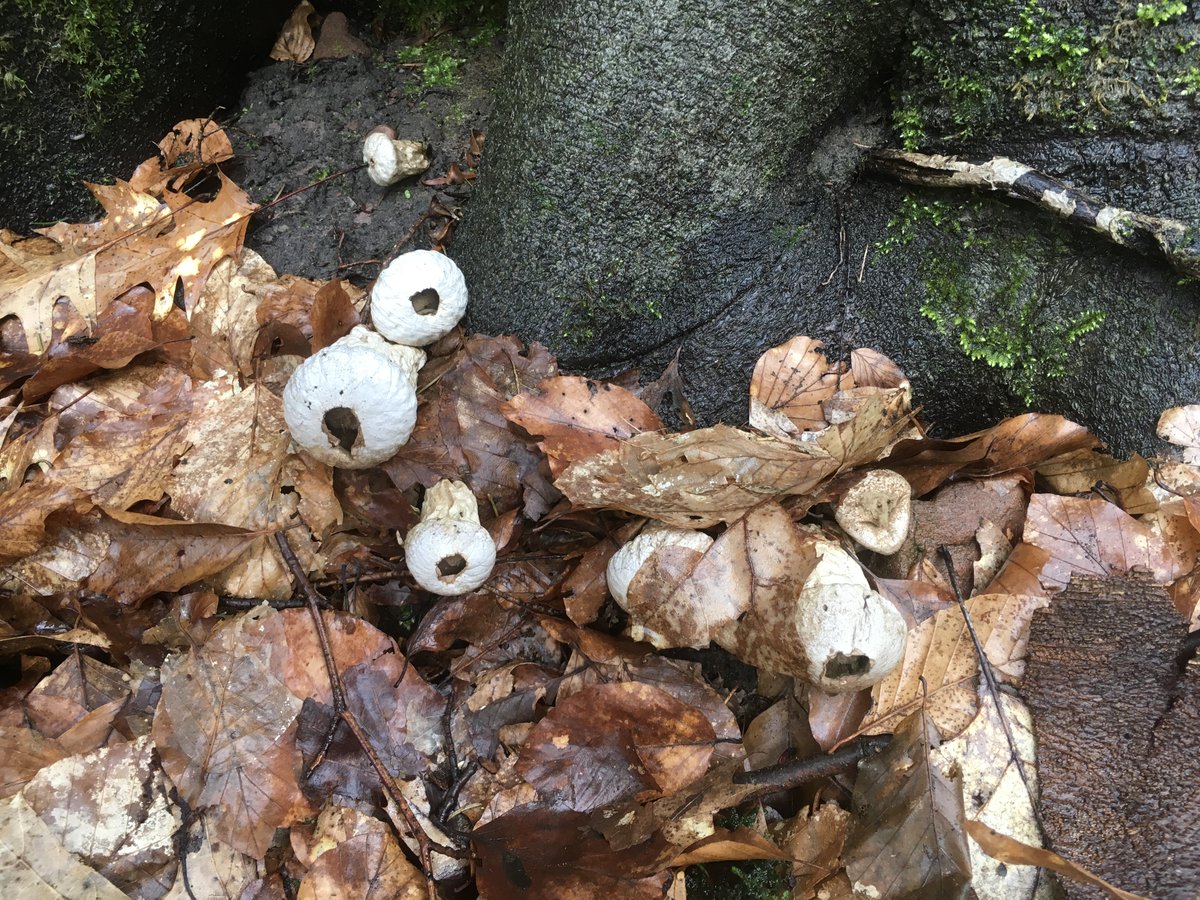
x: 877, y: 511
x: 448, y: 552
x: 353, y: 404
x: 852, y: 637
x: 419, y: 297
x: 389, y: 160
x: 624, y: 564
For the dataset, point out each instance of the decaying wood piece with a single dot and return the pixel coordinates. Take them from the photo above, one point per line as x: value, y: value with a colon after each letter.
x: 1118, y: 728
x: 1177, y: 242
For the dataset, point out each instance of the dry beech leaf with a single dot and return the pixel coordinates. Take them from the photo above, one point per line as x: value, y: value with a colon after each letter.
x: 111, y: 809
x: 871, y: 368
x: 1082, y: 471
x: 1021, y: 573
x: 461, y: 431
x: 1011, y: 851
x: 358, y: 856
x: 295, y: 42
x: 729, y: 846
x: 1016, y: 443
x: 23, y: 515
x: 908, y: 840
x: 23, y: 753
x: 1181, y: 427
x: 789, y: 385
x: 214, y: 869
x: 224, y: 730
x: 866, y: 422
x: 1093, y: 537
x: 815, y: 844
x: 689, y: 598
x: 33, y: 863
x: 645, y: 742
x: 333, y: 315
x: 127, y: 556
x: 574, y: 418
x: 834, y: 718
x: 994, y: 791
x: 939, y: 665
x: 697, y: 479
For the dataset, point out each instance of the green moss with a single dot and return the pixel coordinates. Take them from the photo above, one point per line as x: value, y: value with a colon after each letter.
x: 1160, y: 11
x: 602, y: 296
x: 1003, y: 305
x: 435, y: 66
x: 92, y: 48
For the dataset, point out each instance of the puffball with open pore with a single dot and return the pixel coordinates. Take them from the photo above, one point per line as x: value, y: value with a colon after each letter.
x: 418, y: 298
x: 839, y: 635
x: 448, y: 552
x: 353, y: 404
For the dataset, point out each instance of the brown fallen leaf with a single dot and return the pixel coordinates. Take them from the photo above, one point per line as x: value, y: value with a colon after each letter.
x: 359, y: 856
x: 1093, y: 537
x: 815, y: 843
x: 646, y: 742
x: 1016, y: 443
x: 225, y: 730
x: 908, y: 839
x: 32, y: 859
x: 575, y: 418
x: 871, y: 368
x: 295, y: 42
x: 685, y: 599
x: 1082, y: 471
x: 111, y: 808
x: 697, y: 479
x: 24, y: 511
x: 724, y: 845
x: 23, y: 753
x: 1009, y: 850
x: 1181, y: 427
x: 190, y: 146
x: 939, y: 666
x: 789, y: 385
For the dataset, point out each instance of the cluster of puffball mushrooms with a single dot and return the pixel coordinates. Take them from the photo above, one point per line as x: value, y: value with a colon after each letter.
x: 353, y: 404
x: 840, y: 635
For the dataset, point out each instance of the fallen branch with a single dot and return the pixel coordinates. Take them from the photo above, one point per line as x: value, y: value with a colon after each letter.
x: 1176, y: 242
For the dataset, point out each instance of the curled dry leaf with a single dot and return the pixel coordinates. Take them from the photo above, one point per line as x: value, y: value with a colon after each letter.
x: 190, y: 146
x: 789, y: 385
x: 295, y: 42
x: 1081, y: 471
x: 697, y: 479
x: 1016, y: 443
x: 1093, y: 537
x: 871, y: 368
x: 575, y: 418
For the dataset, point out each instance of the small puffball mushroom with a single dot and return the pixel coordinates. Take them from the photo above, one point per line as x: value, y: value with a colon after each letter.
x: 624, y: 564
x: 877, y: 511
x: 448, y: 552
x: 419, y: 297
x: 852, y: 637
x: 353, y: 404
x: 389, y: 160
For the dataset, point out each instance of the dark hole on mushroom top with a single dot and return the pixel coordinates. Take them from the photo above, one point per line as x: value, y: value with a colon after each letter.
x: 841, y: 665
x: 450, y: 566
x: 425, y: 303
x: 342, y: 425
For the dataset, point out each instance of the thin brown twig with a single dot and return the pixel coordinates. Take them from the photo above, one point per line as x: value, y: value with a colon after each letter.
x: 344, y: 714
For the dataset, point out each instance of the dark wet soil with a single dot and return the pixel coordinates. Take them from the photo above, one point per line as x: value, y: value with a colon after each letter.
x: 299, y: 124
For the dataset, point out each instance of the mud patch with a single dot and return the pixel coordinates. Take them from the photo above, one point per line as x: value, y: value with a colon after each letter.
x: 299, y: 124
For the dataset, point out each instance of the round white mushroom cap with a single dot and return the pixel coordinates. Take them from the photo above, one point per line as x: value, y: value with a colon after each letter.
x: 353, y: 404
x: 389, y: 160
x: 877, y: 511
x: 448, y: 552
x: 624, y: 564
x: 419, y: 297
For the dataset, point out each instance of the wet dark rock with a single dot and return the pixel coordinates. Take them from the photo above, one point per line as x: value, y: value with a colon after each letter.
x: 169, y: 61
